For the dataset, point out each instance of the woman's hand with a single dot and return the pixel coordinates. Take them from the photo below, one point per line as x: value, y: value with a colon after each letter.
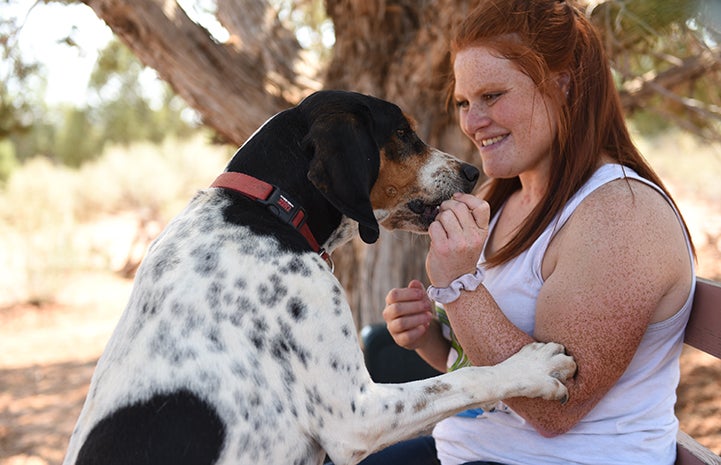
x: 408, y: 315
x: 457, y: 238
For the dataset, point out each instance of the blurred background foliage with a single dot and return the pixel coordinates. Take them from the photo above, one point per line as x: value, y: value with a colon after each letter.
x: 126, y: 101
x: 668, y: 62
x: 119, y: 110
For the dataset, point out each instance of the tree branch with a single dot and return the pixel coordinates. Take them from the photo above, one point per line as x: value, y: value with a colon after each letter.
x: 638, y: 90
x: 228, y: 88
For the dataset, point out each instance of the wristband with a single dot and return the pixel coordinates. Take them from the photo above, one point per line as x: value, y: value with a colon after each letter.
x: 467, y: 282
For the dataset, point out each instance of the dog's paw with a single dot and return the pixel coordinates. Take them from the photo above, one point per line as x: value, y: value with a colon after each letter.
x: 540, y: 370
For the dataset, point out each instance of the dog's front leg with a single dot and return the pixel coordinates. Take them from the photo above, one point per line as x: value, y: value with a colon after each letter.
x: 383, y: 414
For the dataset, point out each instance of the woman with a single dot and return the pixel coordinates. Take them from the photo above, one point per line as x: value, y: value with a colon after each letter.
x: 574, y: 239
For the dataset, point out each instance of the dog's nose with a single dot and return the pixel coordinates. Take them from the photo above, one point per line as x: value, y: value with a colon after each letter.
x: 471, y: 174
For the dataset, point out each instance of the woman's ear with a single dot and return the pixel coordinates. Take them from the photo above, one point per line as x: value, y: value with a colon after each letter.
x: 563, y: 80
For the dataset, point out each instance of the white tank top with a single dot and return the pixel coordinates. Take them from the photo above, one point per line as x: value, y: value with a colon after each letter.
x: 634, y: 423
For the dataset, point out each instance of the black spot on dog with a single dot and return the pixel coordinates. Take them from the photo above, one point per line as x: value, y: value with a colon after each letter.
x: 215, y: 342
x: 211, y: 381
x: 239, y: 370
x: 243, y: 306
x: 313, y: 394
x: 149, y: 309
x: 420, y: 405
x: 279, y: 349
x: 297, y: 308
x: 165, y: 260
x: 437, y: 388
x: 346, y: 331
x: 270, y: 294
x: 212, y: 295
x: 334, y: 363
x: 289, y: 377
x: 254, y: 400
x: 296, y: 266
x: 310, y: 408
x: 168, y: 347
x: 228, y: 298
x: 258, y: 341
x: 206, y: 258
x: 191, y: 323
x: 189, y: 319
x: 288, y: 336
x: 336, y: 292
x: 152, y: 300
x: 148, y: 433
x: 258, y: 332
x: 400, y: 407
x: 206, y: 224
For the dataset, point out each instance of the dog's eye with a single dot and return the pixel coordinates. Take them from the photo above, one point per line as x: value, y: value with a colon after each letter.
x: 402, y: 133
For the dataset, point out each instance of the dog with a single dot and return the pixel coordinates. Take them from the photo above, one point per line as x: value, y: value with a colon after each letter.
x: 237, y: 345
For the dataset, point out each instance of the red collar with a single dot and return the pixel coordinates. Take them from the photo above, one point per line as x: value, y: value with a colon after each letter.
x: 277, y: 202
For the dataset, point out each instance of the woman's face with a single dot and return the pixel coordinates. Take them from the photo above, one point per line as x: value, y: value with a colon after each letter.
x: 502, y: 111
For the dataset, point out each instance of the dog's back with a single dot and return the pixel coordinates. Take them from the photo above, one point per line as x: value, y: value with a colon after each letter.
x: 220, y: 325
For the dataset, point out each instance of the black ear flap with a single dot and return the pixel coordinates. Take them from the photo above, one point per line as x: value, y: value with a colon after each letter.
x: 345, y: 166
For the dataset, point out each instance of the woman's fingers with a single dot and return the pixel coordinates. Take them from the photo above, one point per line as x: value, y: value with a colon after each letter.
x: 457, y: 238
x: 408, y: 314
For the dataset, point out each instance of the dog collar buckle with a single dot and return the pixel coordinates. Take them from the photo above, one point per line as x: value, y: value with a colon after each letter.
x: 284, y: 208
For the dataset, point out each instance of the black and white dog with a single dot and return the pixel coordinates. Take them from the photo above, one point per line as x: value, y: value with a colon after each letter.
x: 238, y: 346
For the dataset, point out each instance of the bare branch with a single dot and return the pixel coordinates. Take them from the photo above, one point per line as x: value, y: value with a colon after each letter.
x: 257, y: 32
x: 636, y: 92
x: 228, y: 88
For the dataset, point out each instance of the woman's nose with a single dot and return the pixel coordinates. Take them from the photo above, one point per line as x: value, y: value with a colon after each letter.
x: 474, y: 119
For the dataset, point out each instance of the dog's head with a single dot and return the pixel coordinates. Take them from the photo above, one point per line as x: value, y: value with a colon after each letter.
x: 371, y: 165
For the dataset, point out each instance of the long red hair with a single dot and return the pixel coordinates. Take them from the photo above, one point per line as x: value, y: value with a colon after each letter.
x: 544, y: 37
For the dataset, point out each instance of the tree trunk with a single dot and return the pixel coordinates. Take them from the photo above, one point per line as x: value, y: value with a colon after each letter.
x: 409, y: 67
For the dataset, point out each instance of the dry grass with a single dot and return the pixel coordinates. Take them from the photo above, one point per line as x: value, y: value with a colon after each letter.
x: 54, y: 221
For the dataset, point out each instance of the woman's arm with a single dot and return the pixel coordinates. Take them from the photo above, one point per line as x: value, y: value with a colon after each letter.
x: 619, y: 264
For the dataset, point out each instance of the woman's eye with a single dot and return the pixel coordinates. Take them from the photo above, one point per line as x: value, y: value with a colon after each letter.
x: 491, y: 97
x: 461, y: 104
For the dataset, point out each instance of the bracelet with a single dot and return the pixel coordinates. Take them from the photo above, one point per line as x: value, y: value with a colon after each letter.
x: 467, y: 282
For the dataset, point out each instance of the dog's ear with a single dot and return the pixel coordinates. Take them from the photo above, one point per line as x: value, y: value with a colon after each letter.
x: 345, y: 166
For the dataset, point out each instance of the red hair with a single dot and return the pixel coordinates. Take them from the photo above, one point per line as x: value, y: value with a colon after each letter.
x: 543, y: 38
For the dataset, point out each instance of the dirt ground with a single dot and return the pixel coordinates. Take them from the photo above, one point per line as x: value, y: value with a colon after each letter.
x: 48, y: 353
x: 47, y: 356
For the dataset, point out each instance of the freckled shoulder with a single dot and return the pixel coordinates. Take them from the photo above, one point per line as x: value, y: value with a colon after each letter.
x: 625, y: 225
